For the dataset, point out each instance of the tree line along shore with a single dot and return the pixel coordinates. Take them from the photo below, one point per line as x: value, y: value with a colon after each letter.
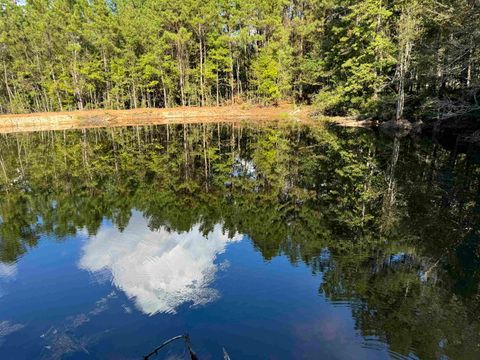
x: 384, y: 59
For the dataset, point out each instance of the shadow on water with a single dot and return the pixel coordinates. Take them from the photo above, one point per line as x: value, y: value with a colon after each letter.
x: 391, y: 224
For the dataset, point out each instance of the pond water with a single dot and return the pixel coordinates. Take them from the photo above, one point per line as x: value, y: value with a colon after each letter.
x: 267, y: 241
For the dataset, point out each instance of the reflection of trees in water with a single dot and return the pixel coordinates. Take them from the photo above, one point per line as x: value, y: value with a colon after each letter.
x: 372, y: 218
x: 391, y: 188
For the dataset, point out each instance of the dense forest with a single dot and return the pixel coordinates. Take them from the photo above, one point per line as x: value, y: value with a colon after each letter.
x: 382, y: 58
x: 393, y: 226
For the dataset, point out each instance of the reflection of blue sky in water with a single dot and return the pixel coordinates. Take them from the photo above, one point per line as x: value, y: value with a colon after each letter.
x: 52, y: 309
x: 160, y: 270
x: 8, y: 272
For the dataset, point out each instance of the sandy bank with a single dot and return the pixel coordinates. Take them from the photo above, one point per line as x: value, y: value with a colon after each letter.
x: 135, y: 117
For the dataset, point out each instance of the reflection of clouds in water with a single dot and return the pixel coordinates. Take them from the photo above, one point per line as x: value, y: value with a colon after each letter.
x: 8, y: 271
x: 159, y: 269
x: 63, y: 339
x: 7, y: 328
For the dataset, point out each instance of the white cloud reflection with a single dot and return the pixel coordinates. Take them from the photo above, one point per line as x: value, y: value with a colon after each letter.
x: 8, y: 271
x: 160, y: 270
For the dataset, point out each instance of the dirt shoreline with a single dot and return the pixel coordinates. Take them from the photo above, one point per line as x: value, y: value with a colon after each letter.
x: 136, y: 117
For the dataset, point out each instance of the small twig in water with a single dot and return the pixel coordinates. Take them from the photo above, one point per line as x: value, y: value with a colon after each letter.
x: 186, y: 338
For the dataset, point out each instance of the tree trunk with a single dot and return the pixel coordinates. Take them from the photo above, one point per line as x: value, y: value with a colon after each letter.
x: 202, y: 89
x: 182, y: 90
x: 402, y: 73
x: 232, y: 82
x: 77, y: 91
x: 134, y: 95
x: 218, y: 88
x: 9, y: 91
x: 107, y: 83
x: 469, y: 63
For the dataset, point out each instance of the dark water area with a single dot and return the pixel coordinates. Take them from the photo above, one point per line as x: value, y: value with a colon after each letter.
x: 269, y: 241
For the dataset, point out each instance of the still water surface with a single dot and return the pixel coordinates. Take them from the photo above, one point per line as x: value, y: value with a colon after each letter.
x: 268, y: 241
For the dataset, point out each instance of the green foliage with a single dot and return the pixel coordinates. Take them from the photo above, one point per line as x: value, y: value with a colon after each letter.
x: 349, y: 57
x: 266, y: 72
